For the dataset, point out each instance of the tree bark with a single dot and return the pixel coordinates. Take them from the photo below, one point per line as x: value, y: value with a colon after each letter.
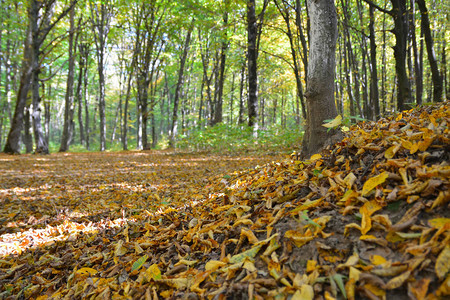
x: 69, y: 102
x: 100, y: 19
x: 374, y: 102
x: 178, y: 90
x: 285, y: 14
x: 400, y: 16
x: 12, y: 145
x: 82, y: 63
x: 223, y: 54
x: 436, y: 76
x: 321, y: 70
x: 241, y: 93
x: 252, y: 34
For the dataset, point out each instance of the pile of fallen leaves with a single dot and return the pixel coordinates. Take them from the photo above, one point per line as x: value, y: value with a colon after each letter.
x: 366, y: 218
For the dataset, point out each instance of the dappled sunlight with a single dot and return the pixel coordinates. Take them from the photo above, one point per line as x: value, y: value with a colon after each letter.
x: 45, y: 200
x: 17, y: 243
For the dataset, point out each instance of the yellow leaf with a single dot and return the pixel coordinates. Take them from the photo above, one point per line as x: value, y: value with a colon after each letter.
x: 315, y: 157
x: 438, y: 223
x: 366, y: 211
x: 350, y: 180
x: 398, y: 281
x: 177, y: 283
x: 389, y: 271
x: 414, y: 148
x: 214, y: 265
x: 246, y: 254
x: 444, y: 289
x: 443, y: 263
x: 86, y: 271
x: 249, y: 266
x: 249, y: 235
x: 351, y: 261
x: 311, y: 265
x: 354, y: 274
x: 423, y: 145
x: 407, y: 144
x: 334, y: 123
x: 377, y: 260
x: 297, y: 238
x: 199, y: 278
x: 375, y: 290
x: 419, y: 288
x: 373, y: 182
x: 328, y: 296
x: 351, y: 225
x: 120, y: 249
x: 391, y: 151
x: 306, y: 292
x: 442, y: 198
x: 186, y: 262
x: 307, y: 205
x: 153, y: 272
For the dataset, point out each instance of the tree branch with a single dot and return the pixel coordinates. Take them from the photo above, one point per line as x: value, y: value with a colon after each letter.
x: 378, y: 7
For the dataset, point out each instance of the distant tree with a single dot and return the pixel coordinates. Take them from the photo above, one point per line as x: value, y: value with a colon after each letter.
x: 178, y: 89
x: 67, y: 135
x: 435, y: 75
x: 40, y: 24
x: 321, y: 70
x: 101, y: 14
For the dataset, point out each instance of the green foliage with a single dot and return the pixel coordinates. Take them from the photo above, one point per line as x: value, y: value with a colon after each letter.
x: 226, y: 138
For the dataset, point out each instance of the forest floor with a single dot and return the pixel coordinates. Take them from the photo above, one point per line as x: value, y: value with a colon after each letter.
x: 367, y: 218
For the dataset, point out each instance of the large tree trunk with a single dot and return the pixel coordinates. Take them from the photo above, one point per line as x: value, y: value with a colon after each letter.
x: 321, y: 69
x: 436, y: 76
x: 252, y: 35
x: 12, y: 145
x: 178, y: 90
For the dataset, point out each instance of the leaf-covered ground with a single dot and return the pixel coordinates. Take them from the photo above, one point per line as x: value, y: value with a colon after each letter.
x: 367, y: 218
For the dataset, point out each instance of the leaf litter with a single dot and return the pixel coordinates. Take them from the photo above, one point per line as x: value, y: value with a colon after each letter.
x: 366, y: 218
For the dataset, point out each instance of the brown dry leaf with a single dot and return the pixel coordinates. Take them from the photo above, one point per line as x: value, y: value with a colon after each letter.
x: 164, y: 224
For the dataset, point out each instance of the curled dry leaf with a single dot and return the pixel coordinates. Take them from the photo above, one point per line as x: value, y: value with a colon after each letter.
x: 162, y: 224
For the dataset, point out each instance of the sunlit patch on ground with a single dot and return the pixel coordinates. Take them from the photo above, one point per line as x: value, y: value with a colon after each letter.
x: 46, y: 199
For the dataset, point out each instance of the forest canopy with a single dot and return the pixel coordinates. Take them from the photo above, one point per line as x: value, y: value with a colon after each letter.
x: 115, y: 74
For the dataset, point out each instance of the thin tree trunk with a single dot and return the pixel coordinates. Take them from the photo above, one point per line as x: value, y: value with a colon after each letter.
x: 230, y: 118
x: 285, y: 14
x: 69, y: 101
x: 374, y: 102
x: 436, y: 76
x: 241, y: 93
x: 100, y: 19
x: 27, y: 136
x: 219, y: 103
x: 174, y: 127
x: 82, y: 63
x: 417, y: 68
x: 252, y: 35
x: 86, y: 107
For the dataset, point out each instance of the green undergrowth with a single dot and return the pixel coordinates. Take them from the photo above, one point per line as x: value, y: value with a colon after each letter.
x: 229, y: 139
